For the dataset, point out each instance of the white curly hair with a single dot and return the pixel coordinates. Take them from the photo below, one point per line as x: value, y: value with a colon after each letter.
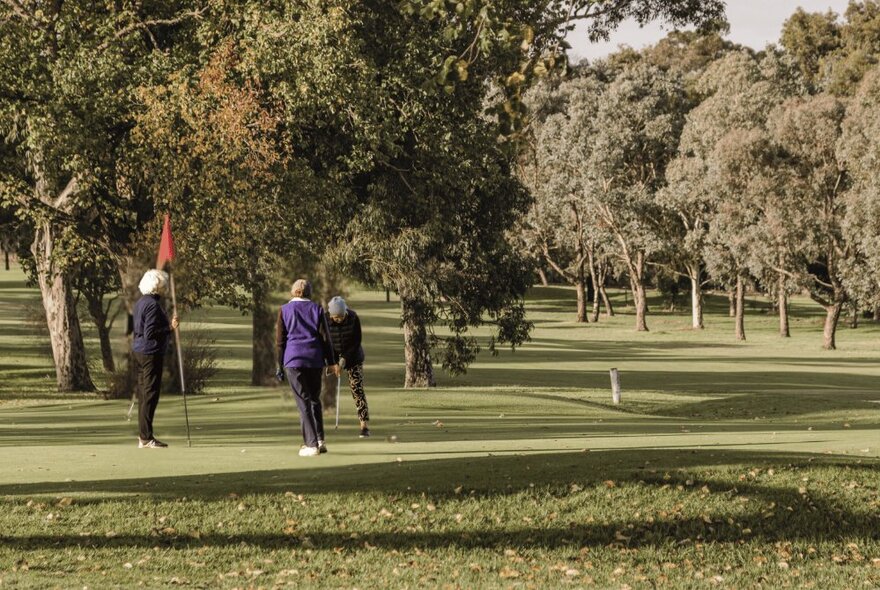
x: 153, y: 282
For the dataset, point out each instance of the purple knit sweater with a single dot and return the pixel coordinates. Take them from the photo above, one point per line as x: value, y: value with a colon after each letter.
x: 302, y: 336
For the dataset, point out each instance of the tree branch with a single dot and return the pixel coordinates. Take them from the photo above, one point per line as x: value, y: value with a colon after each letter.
x: 159, y: 22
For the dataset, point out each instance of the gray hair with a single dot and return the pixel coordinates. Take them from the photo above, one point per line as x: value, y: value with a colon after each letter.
x: 153, y: 282
x: 301, y: 288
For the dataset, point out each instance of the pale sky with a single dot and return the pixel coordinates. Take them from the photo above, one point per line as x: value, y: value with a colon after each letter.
x: 754, y: 23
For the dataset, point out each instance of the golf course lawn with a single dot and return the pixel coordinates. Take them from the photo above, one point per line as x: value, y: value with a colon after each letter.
x: 727, y: 464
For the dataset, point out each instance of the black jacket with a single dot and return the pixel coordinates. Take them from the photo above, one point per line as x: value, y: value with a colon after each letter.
x: 346, y: 337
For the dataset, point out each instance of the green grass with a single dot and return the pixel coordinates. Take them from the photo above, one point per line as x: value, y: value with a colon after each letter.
x: 728, y: 465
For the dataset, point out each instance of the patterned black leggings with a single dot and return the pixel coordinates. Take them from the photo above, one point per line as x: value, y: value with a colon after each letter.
x: 356, y: 381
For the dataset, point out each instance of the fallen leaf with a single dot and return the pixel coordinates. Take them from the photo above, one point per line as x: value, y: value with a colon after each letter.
x: 507, y: 572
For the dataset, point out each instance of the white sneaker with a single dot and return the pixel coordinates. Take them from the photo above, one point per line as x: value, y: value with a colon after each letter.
x: 309, y: 452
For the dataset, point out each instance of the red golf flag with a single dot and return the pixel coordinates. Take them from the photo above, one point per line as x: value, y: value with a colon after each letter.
x: 166, y: 246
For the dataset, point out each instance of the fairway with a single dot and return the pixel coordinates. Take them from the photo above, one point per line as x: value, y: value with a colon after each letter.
x: 727, y: 464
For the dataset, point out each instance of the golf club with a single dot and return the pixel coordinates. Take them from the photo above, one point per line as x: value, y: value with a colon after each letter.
x: 131, y: 407
x: 338, y: 385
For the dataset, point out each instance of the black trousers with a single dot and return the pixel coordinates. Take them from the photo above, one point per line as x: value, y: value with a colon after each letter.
x: 149, y: 373
x: 306, y: 386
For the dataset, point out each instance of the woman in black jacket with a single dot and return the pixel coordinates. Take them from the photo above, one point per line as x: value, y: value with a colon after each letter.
x: 345, y: 332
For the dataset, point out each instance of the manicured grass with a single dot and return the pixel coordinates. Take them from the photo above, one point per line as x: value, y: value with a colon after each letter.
x: 728, y: 465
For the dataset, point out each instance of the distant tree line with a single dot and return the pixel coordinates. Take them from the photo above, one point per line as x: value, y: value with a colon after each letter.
x: 727, y: 167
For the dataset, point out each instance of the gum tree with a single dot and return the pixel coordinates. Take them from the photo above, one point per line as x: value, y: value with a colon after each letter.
x: 638, y: 124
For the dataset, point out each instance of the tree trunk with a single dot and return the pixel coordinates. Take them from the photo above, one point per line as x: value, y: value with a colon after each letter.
x: 68, y: 351
x: 641, y: 303
x: 594, y: 315
x: 640, y: 299
x: 581, y: 286
x: 832, y: 315
x: 696, y: 278
x: 877, y: 312
x: 263, y: 355
x: 417, y: 347
x: 6, y: 256
x: 731, y: 299
x: 606, y: 302
x: 739, y: 311
x: 782, y: 305
x: 96, y: 310
x: 853, y: 316
x: 543, y: 277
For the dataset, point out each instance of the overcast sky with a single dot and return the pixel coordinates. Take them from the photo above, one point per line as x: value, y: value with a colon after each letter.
x: 752, y: 22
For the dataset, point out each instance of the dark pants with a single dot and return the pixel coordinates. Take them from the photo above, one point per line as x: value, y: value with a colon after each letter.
x: 306, y: 386
x: 149, y: 373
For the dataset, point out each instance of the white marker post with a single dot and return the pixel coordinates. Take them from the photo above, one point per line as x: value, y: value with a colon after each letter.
x: 615, y: 386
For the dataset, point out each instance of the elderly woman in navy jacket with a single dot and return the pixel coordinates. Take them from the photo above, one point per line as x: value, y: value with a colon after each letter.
x: 302, y: 338
x: 151, y: 331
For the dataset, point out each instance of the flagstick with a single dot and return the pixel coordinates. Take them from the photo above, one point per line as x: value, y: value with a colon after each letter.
x: 179, y: 357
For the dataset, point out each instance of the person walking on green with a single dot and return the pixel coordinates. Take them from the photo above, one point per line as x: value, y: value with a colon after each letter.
x: 345, y: 333
x: 304, y: 350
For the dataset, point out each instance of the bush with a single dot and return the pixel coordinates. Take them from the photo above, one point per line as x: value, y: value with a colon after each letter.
x: 121, y: 383
x: 199, y: 366
x: 199, y: 362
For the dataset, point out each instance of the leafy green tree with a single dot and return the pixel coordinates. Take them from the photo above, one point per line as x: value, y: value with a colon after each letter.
x: 808, y: 130
x: 711, y: 169
x: 214, y: 154
x: 858, y: 150
x: 638, y: 124
x: 834, y: 54
x: 811, y: 38
x: 560, y: 223
x: 70, y: 69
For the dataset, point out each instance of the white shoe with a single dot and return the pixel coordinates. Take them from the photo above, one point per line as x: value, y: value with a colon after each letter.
x: 309, y: 452
x: 322, y: 448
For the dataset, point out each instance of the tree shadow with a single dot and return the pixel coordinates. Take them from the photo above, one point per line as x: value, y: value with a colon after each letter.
x: 812, y: 517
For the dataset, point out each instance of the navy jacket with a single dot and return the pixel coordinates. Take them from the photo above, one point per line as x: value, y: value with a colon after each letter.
x: 151, y: 326
x: 346, y: 338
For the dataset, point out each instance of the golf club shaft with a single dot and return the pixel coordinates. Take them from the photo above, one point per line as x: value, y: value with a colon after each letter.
x: 338, y: 386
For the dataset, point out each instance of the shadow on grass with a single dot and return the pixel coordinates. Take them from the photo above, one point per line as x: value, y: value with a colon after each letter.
x: 488, y: 475
x: 813, y: 517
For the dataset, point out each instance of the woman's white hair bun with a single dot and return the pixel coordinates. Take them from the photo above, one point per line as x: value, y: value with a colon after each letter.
x: 153, y: 282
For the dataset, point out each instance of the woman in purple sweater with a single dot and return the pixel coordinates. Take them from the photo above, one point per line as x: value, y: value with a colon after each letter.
x: 302, y: 338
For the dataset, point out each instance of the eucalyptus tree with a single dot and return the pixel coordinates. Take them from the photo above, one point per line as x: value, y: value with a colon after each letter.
x: 833, y: 53
x: 688, y: 54
x: 638, y: 124
x: 560, y: 222
x: 807, y: 129
x: 67, y: 93
x: 712, y: 168
x: 859, y: 150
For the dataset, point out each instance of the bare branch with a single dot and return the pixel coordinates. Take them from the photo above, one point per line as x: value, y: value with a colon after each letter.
x: 62, y: 201
x: 160, y: 22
